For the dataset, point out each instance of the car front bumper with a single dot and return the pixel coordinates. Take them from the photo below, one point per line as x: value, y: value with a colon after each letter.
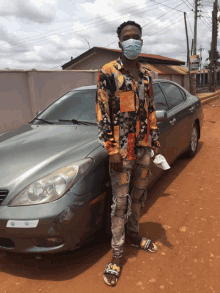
x: 70, y: 218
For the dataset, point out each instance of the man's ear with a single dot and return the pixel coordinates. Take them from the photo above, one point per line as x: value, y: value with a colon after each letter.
x: 142, y: 42
x: 120, y: 45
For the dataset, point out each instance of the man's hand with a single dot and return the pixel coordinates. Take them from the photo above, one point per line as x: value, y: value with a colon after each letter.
x: 156, y: 152
x: 116, y: 162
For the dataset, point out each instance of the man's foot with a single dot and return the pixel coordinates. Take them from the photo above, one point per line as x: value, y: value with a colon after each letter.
x: 111, y: 279
x: 140, y: 242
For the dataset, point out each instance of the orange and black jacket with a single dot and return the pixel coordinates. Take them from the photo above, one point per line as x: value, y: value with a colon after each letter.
x: 125, y: 109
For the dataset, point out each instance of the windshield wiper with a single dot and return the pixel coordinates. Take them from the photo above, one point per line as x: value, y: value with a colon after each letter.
x: 45, y: 121
x: 74, y: 121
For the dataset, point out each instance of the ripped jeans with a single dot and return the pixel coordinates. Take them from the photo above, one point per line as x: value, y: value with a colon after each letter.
x: 126, y: 207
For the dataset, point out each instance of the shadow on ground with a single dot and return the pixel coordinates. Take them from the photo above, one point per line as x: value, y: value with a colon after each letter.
x: 71, y: 264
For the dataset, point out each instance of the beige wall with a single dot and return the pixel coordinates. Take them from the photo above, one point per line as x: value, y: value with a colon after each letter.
x: 181, y: 79
x: 23, y: 93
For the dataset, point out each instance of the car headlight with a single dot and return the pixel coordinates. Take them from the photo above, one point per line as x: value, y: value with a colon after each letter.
x: 53, y: 186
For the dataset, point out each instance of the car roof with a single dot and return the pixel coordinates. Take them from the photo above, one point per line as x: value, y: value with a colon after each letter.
x: 94, y: 87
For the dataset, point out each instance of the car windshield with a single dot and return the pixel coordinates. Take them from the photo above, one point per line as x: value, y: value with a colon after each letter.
x: 75, y: 105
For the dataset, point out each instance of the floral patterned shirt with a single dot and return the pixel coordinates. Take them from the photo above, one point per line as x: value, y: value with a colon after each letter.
x: 125, y: 110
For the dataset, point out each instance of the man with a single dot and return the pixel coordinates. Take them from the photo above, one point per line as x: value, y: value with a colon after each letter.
x: 128, y: 130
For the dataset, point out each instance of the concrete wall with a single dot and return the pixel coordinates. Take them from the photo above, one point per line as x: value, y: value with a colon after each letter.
x: 181, y: 79
x: 23, y: 93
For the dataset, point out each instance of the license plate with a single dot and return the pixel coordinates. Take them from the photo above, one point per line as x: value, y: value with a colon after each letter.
x: 22, y: 224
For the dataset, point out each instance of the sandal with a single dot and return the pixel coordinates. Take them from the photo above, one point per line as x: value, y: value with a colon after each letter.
x: 144, y: 244
x: 114, y: 270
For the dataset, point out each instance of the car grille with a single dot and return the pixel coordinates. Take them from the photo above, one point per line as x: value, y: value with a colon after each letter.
x: 3, y: 194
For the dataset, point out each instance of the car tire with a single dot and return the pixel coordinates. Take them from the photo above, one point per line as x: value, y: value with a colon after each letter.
x: 193, y: 141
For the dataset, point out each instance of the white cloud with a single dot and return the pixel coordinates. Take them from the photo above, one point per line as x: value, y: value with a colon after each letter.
x: 31, y: 11
x: 41, y: 3
x: 43, y: 34
x: 74, y: 42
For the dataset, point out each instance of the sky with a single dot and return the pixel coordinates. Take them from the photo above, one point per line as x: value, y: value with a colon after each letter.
x: 45, y: 34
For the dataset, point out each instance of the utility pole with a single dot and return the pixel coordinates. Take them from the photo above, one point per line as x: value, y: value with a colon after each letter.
x: 200, y: 64
x: 192, y: 47
x: 213, y: 52
x: 188, y: 57
x: 195, y: 27
x: 197, y: 4
x: 200, y: 58
x: 187, y: 41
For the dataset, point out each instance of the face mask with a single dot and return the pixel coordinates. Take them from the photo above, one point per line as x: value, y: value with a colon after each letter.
x: 131, y: 48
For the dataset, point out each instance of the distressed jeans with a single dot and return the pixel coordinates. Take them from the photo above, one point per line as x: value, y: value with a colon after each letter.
x: 126, y: 205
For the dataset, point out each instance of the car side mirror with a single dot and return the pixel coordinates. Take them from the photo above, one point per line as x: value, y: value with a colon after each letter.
x: 161, y: 115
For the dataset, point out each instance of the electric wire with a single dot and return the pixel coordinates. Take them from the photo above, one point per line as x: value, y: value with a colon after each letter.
x: 34, y: 39
x: 156, y: 32
x: 167, y: 6
x: 147, y: 23
x: 206, y: 14
x: 69, y: 32
x: 72, y: 31
x: 201, y: 36
x: 187, y: 5
x: 194, y: 9
x: 95, y: 18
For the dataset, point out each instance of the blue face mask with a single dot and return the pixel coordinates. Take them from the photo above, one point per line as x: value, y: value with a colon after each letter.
x: 131, y: 48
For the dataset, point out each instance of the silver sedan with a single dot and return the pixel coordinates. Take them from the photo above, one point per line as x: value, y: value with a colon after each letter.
x: 54, y: 183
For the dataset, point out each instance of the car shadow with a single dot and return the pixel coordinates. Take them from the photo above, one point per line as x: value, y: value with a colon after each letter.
x: 69, y: 265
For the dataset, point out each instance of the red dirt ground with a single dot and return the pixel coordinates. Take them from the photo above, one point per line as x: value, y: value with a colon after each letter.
x: 182, y: 216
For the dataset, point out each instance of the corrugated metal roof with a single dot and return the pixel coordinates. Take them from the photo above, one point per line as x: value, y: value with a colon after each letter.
x: 153, y: 59
x: 166, y: 69
x: 182, y: 69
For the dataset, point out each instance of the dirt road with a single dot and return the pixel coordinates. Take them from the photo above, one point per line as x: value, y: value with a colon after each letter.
x: 182, y: 215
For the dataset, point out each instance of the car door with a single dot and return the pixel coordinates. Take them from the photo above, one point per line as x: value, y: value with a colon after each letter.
x: 178, y: 117
x: 160, y: 104
x: 187, y: 111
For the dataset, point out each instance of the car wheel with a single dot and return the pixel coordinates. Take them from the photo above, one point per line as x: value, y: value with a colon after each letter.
x: 193, y: 141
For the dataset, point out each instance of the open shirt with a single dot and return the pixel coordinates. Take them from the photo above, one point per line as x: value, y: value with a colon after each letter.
x: 125, y: 109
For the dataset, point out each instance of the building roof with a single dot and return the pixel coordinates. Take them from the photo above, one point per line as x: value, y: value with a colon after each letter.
x: 149, y: 58
x: 198, y: 71
x: 167, y: 69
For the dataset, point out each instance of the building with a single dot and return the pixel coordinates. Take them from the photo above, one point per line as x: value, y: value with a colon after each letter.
x: 160, y: 66
x: 96, y: 57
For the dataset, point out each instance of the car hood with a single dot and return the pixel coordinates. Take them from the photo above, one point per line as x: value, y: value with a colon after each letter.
x: 33, y: 151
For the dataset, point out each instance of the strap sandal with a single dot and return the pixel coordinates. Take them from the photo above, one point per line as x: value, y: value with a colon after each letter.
x: 113, y: 270
x: 145, y: 244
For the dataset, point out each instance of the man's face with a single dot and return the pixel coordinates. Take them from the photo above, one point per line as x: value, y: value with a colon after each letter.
x: 130, y: 32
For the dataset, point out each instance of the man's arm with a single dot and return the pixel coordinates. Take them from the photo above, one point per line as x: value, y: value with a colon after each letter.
x: 105, y: 125
x: 154, y: 132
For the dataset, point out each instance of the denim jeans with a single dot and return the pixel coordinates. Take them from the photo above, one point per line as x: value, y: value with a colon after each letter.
x: 126, y: 207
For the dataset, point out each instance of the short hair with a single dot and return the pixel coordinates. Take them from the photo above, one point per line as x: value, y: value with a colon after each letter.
x: 129, y: 22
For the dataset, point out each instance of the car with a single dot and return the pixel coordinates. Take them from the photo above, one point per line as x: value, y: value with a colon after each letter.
x: 54, y: 181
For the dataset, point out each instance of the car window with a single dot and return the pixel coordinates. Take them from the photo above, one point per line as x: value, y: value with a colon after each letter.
x: 160, y: 101
x: 183, y: 94
x: 78, y: 104
x: 173, y: 94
